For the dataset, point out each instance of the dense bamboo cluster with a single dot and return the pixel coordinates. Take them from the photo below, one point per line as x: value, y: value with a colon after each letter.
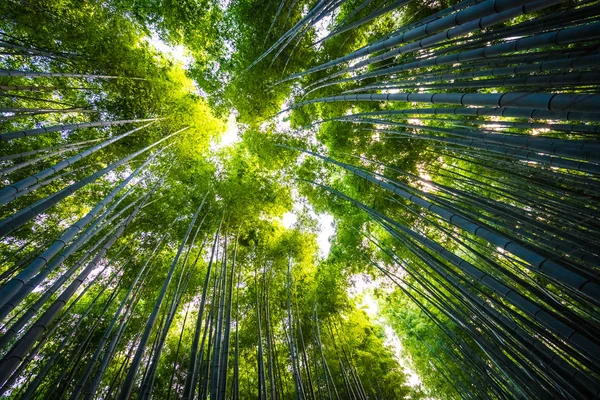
x: 495, y: 241
x: 74, y: 325
x: 515, y: 193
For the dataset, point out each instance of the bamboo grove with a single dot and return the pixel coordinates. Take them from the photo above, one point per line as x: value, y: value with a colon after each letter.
x: 454, y: 143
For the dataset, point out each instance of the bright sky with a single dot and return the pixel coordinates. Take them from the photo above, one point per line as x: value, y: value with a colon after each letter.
x: 362, y: 289
x: 176, y: 53
x: 322, y: 27
x: 326, y: 228
x: 230, y: 136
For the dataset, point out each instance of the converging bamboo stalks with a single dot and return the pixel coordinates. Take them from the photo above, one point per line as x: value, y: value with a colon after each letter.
x: 168, y: 182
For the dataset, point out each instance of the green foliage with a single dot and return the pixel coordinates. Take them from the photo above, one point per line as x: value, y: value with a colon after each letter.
x: 289, y: 304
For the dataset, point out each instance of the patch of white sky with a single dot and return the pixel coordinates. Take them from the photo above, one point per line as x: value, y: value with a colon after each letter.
x: 229, y: 137
x: 362, y: 290
x: 282, y: 120
x: 177, y: 53
x: 181, y: 54
x: 325, y: 222
x: 322, y: 27
x: 224, y: 4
